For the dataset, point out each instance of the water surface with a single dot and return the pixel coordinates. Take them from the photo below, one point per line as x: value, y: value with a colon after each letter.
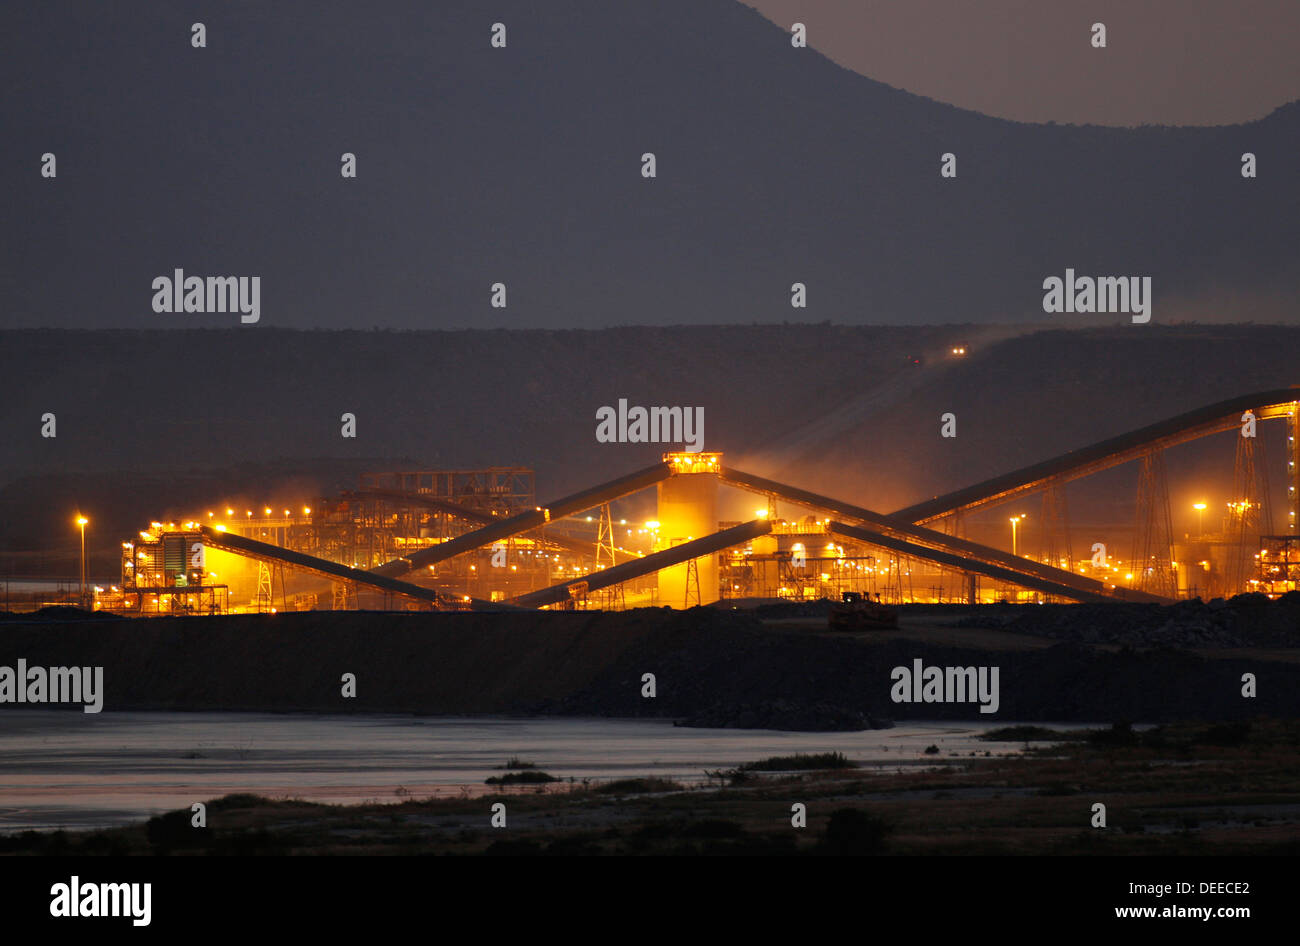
x: 62, y: 769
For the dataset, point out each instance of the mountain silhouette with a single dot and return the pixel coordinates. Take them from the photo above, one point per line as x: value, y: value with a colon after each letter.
x: 522, y: 165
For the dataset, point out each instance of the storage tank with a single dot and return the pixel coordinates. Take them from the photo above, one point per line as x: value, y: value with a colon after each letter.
x: 688, y: 509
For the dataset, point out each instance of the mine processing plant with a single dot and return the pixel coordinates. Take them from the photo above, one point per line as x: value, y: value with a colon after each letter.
x: 478, y: 539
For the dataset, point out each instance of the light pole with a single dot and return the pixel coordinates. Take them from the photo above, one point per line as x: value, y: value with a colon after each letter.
x: 1200, y: 519
x: 81, y: 521
x: 1015, y: 521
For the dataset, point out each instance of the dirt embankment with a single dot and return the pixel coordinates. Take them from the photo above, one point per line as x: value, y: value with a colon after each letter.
x: 717, y: 666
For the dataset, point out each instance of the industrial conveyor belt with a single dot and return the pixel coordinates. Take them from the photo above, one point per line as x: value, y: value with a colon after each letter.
x: 903, y: 547
x: 607, y: 577
x: 956, y: 552
x: 569, y: 544
x: 252, y: 548
x: 503, y: 529
x: 1215, y: 418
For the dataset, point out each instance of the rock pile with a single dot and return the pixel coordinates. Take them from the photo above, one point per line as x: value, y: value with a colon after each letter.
x: 1249, y: 620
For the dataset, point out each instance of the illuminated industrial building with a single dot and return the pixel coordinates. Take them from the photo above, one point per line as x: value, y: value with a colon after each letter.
x: 451, y: 539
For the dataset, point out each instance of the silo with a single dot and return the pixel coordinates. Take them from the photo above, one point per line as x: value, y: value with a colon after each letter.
x: 688, y: 509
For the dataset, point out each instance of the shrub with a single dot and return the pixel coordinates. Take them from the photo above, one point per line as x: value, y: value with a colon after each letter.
x: 527, y: 777
x: 801, y: 762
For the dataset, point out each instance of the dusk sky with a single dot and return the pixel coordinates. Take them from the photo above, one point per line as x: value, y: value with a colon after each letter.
x: 521, y: 165
x: 1169, y: 62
